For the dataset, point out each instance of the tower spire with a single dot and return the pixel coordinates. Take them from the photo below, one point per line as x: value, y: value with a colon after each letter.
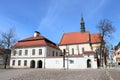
x: 82, y: 24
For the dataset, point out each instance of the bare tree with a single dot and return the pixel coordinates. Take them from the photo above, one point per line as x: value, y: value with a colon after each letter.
x: 1, y: 44
x: 106, y: 29
x: 7, y: 40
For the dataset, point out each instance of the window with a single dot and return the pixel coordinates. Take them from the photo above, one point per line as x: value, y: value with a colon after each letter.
x: 64, y: 51
x: 53, y: 53
x: 72, y: 51
x: 13, y: 63
x: 26, y: 52
x: 118, y: 53
x: 14, y: 53
x: 25, y: 62
x: 40, y: 51
x: 20, y: 52
x: 88, y: 55
x: 82, y: 49
x: 19, y: 62
x: 71, y: 61
x: 57, y: 54
x: 95, y: 55
x: 33, y: 52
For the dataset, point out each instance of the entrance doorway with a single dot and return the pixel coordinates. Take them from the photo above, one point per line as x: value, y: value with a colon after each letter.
x: 119, y: 63
x: 32, y: 64
x: 39, y: 65
x: 88, y: 63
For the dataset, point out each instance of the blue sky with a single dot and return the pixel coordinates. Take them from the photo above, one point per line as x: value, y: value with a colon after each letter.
x: 52, y: 18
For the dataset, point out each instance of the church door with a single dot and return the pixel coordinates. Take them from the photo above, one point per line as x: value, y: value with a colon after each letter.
x: 88, y: 63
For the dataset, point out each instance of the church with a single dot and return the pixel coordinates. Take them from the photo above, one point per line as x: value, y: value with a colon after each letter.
x: 76, y: 50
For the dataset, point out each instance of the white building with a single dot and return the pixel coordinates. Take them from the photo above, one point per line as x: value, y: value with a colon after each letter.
x: 116, y: 55
x: 32, y: 52
x: 80, y: 48
x: 39, y: 52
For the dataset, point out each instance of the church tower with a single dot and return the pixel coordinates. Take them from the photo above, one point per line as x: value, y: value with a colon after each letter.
x: 82, y: 25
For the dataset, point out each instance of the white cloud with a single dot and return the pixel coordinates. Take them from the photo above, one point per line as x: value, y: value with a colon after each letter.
x: 50, y: 16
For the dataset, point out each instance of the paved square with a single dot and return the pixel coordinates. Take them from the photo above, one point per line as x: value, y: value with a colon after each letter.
x: 53, y: 74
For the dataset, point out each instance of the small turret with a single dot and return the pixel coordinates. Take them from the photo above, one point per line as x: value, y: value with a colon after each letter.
x: 36, y: 33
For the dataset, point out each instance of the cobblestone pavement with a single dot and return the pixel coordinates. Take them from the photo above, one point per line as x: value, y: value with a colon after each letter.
x: 52, y: 74
x: 115, y: 74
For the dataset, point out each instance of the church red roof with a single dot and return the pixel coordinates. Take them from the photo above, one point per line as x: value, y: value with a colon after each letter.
x: 79, y: 38
x: 35, y: 41
x: 95, y: 38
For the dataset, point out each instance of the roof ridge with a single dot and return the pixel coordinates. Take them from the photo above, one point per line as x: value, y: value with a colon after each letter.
x: 32, y: 38
x: 76, y: 32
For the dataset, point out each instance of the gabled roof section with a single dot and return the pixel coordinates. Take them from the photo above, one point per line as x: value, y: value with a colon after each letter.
x: 80, y: 38
x: 34, y: 42
x: 95, y: 38
x: 5, y: 51
x: 39, y: 37
x: 118, y: 46
x: 75, y: 38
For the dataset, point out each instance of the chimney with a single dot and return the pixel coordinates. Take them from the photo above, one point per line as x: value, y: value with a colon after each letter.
x: 36, y: 33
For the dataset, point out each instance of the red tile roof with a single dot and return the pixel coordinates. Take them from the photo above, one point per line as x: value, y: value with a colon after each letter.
x: 79, y: 38
x: 74, y: 38
x: 95, y: 38
x: 4, y: 51
x: 35, y: 41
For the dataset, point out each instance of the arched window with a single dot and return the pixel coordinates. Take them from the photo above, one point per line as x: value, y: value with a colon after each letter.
x: 39, y: 64
x: 32, y: 64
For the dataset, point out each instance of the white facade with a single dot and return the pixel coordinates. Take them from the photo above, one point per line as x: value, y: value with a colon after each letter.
x: 78, y: 48
x: 53, y: 62
x: 116, y: 56
x: 71, y: 63
x: 24, y: 55
x: 37, y: 58
x: 75, y: 50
